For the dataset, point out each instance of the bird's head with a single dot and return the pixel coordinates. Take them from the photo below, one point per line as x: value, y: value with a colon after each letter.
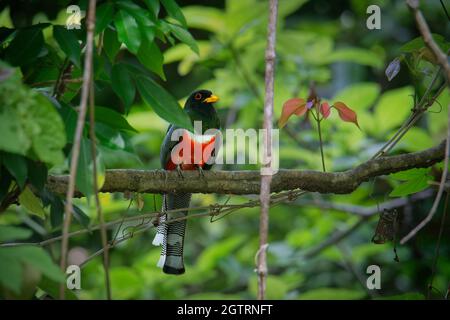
x: 201, y: 99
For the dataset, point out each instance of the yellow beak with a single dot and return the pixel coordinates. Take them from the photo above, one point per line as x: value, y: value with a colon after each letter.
x: 211, y: 99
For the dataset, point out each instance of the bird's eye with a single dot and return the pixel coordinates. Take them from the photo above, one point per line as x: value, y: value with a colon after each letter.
x: 198, y: 96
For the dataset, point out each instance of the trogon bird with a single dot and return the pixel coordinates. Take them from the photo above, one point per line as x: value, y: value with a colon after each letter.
x: 199, y: 106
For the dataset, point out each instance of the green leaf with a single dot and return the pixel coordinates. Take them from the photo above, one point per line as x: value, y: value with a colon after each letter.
x: 37, y: 174
x: 52, y: 288
x: 26, y: 46
x: 10, y: 270
x: 37, y: 130
x: 184, y: 36
x: 418, y: 43
x: 47, y: 131
x: 112, y: 118
x: 360, y: 96
x: 104, y: 15
x: 111, y: 44
x: 332, y: 294
x: 128, y: 30
x: 205, y: 18
x: 162, y: 102
x: 174, y: 11
x: 17, y: 166
x: 32, y: 203
x: 356, y: 55
x: 69, y: 117
x: 39, y: 259
x: 211, y: 256
x: 416, y: 180
x: 56, y: 212
x: 68, y: 42
x: 84, y: 181
x: 154, y: 8
x: 151, y: 57
x: 416, y: 139
x: 126, y: 284
x: 10, y: 233
x: 393, y: 108
x: 123, y: 84
x: 81, y: 217
x: 410, y: 187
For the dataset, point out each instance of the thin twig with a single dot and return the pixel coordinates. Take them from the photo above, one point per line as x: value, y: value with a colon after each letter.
x: 418, y: 110
x: 144, y: 227
x: 77, y: 140
x: 422, y: 25
x: 216, y: 209
x: 98, y: 205
x: 364, y: 212
x: 430, y: 215
x: 46, y: 83
x: 438, y: 245
x: 266, y: 173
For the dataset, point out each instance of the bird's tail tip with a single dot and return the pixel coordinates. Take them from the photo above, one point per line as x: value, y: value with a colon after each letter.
x: 161, y: 261
x: 172, y: 270
x: 158, y: 240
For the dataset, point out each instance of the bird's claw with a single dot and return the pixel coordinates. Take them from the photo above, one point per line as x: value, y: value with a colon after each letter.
x: 200, y: 172
x: 179, y: 171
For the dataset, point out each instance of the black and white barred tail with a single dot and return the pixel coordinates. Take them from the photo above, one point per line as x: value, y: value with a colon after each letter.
x: 171, y: 235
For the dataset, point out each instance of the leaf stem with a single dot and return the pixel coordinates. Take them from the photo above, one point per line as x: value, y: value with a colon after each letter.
x: 318, y: 120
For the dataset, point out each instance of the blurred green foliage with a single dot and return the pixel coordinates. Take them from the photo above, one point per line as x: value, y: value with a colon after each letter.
x: 149, y: 56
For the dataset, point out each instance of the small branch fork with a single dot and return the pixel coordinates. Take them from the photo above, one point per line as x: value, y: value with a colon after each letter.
x: 442, y: 60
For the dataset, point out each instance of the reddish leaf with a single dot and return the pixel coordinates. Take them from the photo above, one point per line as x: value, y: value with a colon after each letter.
x: 325, y: 109
x: 290, y: 107
x: 346, y: 113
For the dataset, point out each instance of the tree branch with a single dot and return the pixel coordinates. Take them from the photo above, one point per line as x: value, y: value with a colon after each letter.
x: 248, y: 182
x: 422, y: 25
x: 88, y: 66
x: 266, y: 170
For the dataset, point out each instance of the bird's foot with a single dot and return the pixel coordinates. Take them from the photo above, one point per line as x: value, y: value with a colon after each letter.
x: 180, y: 172
x: 200, y: 172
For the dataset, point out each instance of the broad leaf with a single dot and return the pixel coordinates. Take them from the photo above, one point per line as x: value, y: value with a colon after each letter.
x: 26, y: 46
x: 151, y: 57
x: 162, y: 102
x: 393, y: 108
x: 111, y: 44
x: 128, y: 30
x: 184, y: 36
x: 174, y: 11
x: 123, y: 84
x: 68, y: 43
x: 104, y: 15
x: 345, y: 113
x: 32, y: 203
x: 416, y: 180
x: 325, y: 109
x: 112, y: 118
x: 10, y: 233
x: 17, y: 166
x: 81, y: 217
x: 295, y: 106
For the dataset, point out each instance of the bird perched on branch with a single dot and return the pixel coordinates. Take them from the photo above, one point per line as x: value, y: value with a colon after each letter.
x: 184, y: 150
